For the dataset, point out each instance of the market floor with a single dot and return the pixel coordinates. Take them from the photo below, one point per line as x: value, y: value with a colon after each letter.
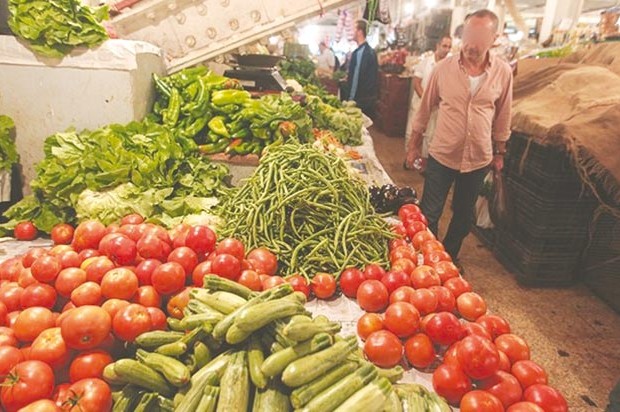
x: 572, y: 334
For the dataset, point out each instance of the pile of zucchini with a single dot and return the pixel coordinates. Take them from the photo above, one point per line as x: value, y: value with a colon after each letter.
x: 238, y: 350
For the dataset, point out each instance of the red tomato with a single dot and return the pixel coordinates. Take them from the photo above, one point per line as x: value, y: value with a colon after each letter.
x: 113, y: 306
x: 57, y: 250
x: 504, y: 362
x: 69, y: 259
x: 131, y: 322
x: 396, y: 243
x: 9, y: 357
x: 451, y: 382
x: 61, y: 394
x: 32, y: 255
x: 147, y: 296
x: 50, y: 347
x: 90, y: 395
x: 548, y: 398
x: 393, y: 280
x: 42, y: 405
x: 7, y: 336
x: 178, y: 235
x: 268, y: 282
x: 529, y: 373
x: 97, y: 268
x: 424, y: 300
x: 68, y: 280
x: 445, y: 299
x: 10, y: 269
x: 32, y: 321
x: 88, y: 293
x: 87, y: 235
x: 88, y: 253
x: 421, y: 237
x: 323, y: 285
x: 28, y: 382
x: 471, y: 305
x: 432, y: 246
x: 203, y: 269
x: 457, y: 286
x: 38, y: 294
x: 10, y: 295
x: 369, y: 323
x: 231, y: 246
x: 25, y: 231
x: 513, y: 346
x: 89, y: 364
x: 399, y: 230
x: 494, y: 324
x: 435, y: 256
x: 372, y: 296
x: 263, y: 261
x: 478, y: 357
x: 249, y: 278
x: 503, y: 385
x: 414, y: 228
x: 299, y: 284
x: 524, y: 407
x: 105, y: 244
x: 132, y: 219
x: 402, y: 252
x: 350, y: 279
x: 402, y: 294
x: 62, y: 234
x: 419, y: 351
x: 444, y: 328
x: 226, y: 266
x: 86, y: 327
x: 383, y: 348
x: 403, y: 265
x: 132, y: 231
x: 11, y: 318
x: 123, y: 251
x: 168, y: 278
x: 145, y: 270
x: 402, y: 319
x: 158, y: 318
x: 150, y: 246
x: 185, y: 257
x: 178, y: 302
x: 3, y: 313
x: 374, y: 272
x: 46, y: 268
x: 471, y: 328
x: 480, y: 401
x: 119, y: 283
x: 408, y: 210
x: 26, y: 279
x: 424, y: 277
x: 200, y: 239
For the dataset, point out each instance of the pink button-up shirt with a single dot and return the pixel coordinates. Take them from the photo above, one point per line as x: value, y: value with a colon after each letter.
x: 467, y: 124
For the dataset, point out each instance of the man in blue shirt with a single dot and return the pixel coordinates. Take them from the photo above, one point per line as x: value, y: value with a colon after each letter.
x: 363, y: 70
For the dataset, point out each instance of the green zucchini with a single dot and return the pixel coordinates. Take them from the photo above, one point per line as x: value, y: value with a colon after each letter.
x: 224, y: 302
x: 393, y: 403
x: 235, y: 385
x: 257, y: 316
x: 127, y: 400
x: 371, y: 398
x: 175, y: 324
x: 173, y: 370
x: 143, y: 376
x: 111, y: 377
x: 147, y: 403
x: 304, y: 370
x: 165, y: 404
x: 271, y: 399
x: 301, y: 331
x: 155, y: 338
x: 199, y: 319
x: 393, y: 374
x: 304, y: 394
x: 177, y: 348
x: 208, y: 402
x: 213, y: 282
x: 335, y: 395
x: 277, y: 362
x: 256, y: 357
x: 208, y: 375
x: 202, y: 355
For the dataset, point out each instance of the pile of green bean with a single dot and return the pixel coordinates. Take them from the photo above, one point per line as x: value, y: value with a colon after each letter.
x: 306, y: 206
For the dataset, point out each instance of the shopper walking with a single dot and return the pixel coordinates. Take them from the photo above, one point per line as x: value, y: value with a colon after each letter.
x: 473, y: 91
x: 326, y: 62
x: 363, y: 71
x: 421, y: 76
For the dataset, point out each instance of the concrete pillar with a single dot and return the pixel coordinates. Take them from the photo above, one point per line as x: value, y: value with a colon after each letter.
x: 556, y: 11
x: 458, y: 15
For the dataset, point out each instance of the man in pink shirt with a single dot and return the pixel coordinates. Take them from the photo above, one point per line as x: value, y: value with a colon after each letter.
x: 473, y: 93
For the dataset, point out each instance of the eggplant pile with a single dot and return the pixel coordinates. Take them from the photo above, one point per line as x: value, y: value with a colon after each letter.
x: 389, y: 198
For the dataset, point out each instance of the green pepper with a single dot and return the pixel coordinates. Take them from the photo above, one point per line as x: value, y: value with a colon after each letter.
x: 241, y: 133
x: 171, y: 114
x: 157, y: 108
x: 161, y: 85
x: 191, y: 91
x: 233, y: 145
x: 213, y: 148
x: 218, y: 126
x: 213, y: 137
x: 229, y: 109
x: 211, y: 79
x: 194, y: 128
x: 229, y: 96
x: 256, y: 148
x: 260, y: 132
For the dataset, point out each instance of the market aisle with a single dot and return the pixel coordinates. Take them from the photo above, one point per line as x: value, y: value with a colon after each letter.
x: 571, y: 333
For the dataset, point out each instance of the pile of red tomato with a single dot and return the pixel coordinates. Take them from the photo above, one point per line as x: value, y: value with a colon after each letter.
x: 67, y: 311
x: 431, y: 317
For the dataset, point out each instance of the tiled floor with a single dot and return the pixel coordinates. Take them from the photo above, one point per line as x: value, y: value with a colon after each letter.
x: 572, y: 334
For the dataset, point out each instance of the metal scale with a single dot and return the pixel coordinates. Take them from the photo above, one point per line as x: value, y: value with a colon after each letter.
x: 257, y: 72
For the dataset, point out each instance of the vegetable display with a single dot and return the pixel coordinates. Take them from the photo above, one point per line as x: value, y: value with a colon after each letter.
x: 345, y: 123
x: 389, y: 198
x: 105, y: 174
x: 8, y: 151
x: 308, y: 208
x: 55, y: 28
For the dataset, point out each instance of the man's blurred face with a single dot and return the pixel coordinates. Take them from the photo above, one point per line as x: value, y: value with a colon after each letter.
x: 443, y: 48
x: 322, y: 47
x: 479, y: 34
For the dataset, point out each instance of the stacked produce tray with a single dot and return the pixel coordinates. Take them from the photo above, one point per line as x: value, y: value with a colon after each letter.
x: 549, y: 213
x: 601, y: 262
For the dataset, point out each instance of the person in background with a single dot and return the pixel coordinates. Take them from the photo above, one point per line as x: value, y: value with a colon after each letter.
x: 363, y: 72
x: 473, y: 91
x: 326, y: 62
x: 421, y: 75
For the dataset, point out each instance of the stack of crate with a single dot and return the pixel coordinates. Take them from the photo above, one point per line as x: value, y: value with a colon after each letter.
x: 549, y: 211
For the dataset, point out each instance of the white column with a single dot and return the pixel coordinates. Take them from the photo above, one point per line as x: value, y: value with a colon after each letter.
x: 556, y: 11
x: 458, y: 15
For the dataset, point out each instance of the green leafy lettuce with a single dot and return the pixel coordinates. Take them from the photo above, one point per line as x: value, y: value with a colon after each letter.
x: 8, y: 151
